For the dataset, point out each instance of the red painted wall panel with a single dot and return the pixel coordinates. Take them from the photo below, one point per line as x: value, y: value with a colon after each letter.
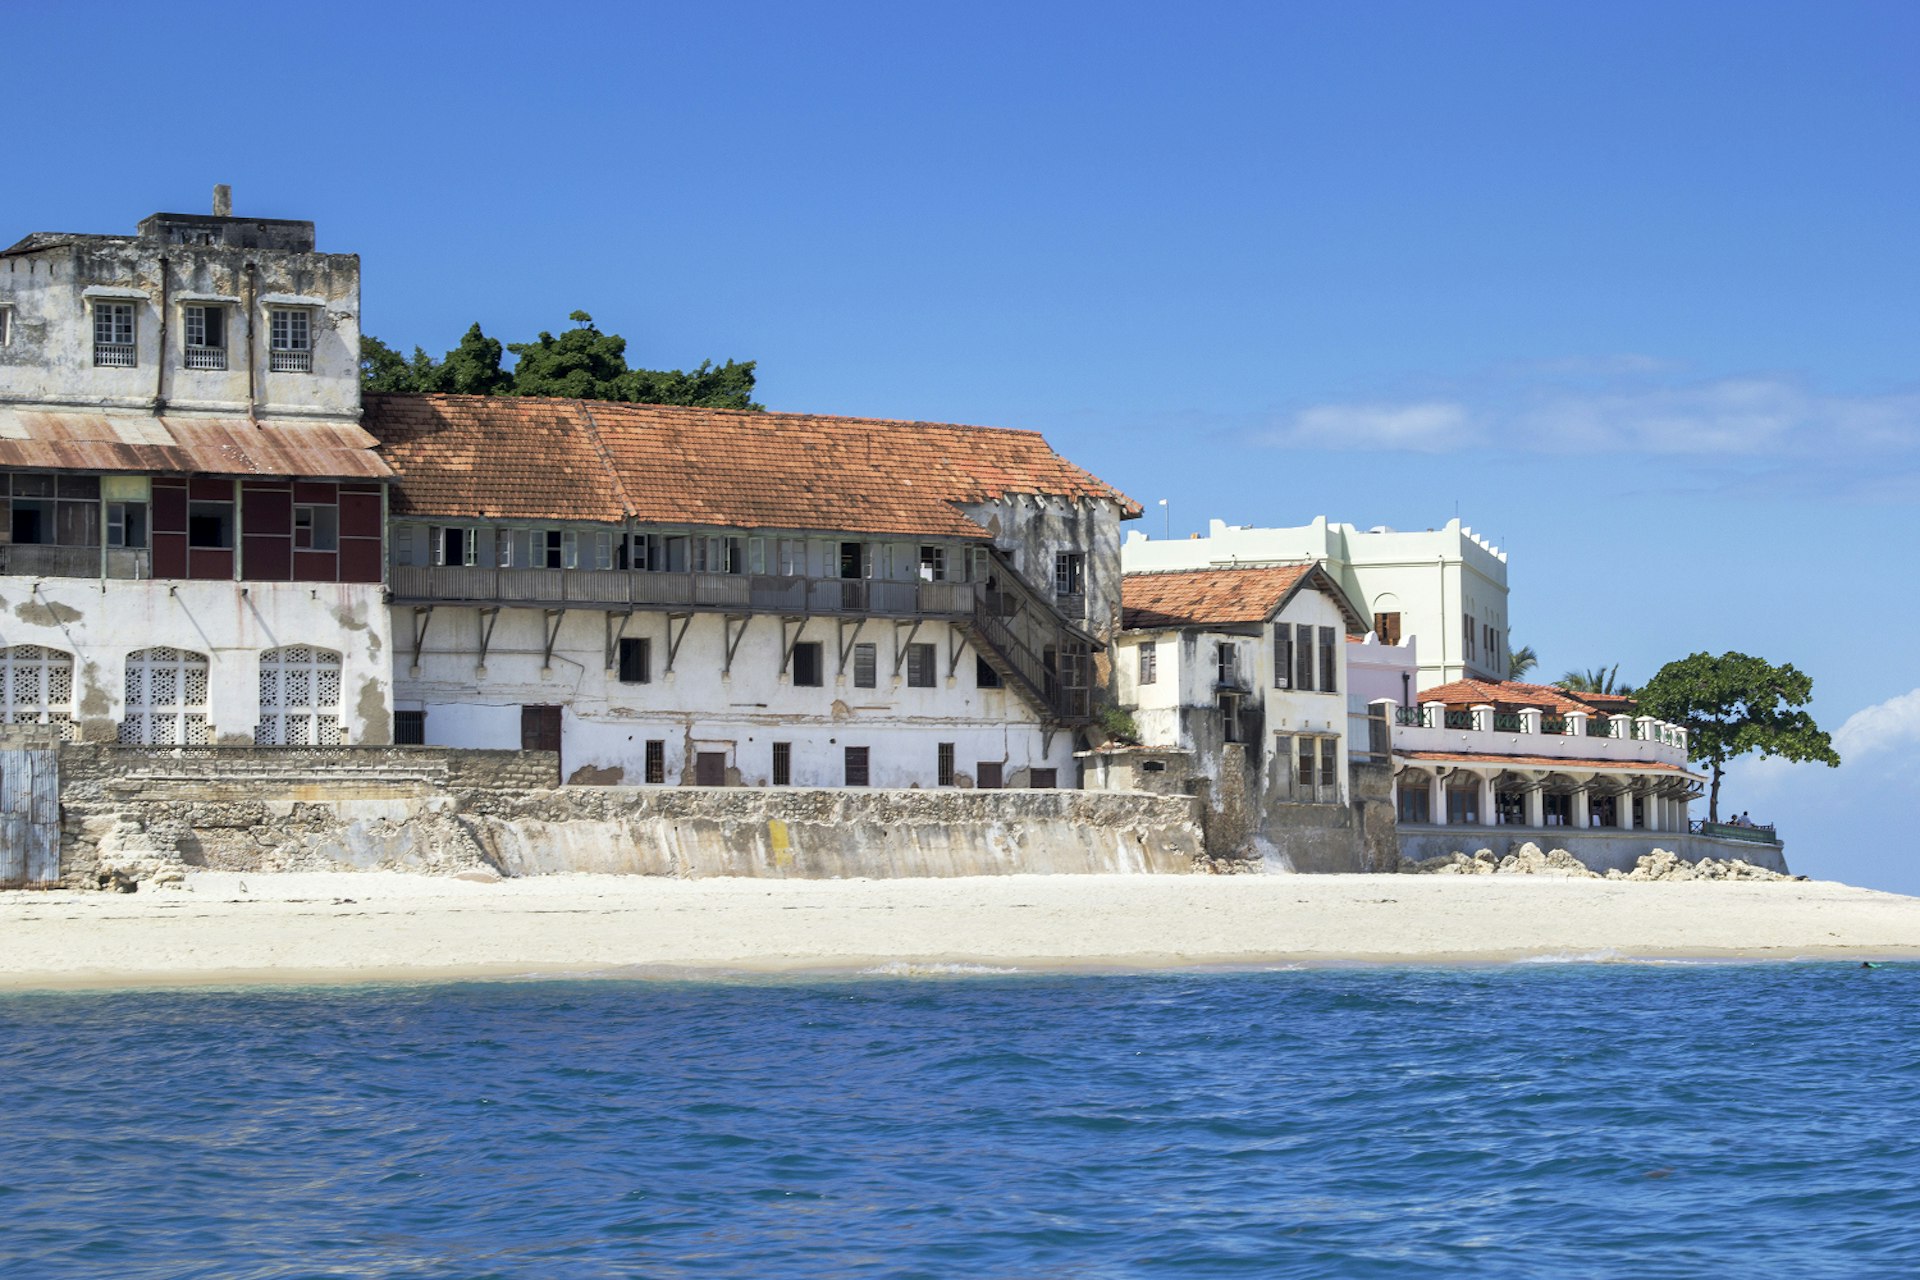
x: 170, y: 550
x: 207, y: 563
x: 170, y: 510
x: 265, y: 509
x: 359, y: 515
x: 315, y: 491
x: 209, y: 489
x: 269, y: 558
x: 315, y: 566
x: 360, y: 559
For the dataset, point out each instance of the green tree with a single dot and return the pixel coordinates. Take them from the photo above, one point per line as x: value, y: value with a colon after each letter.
x: 1521, y: 661
x: 1734, y: 704
x: 580, y: 364
x: 1598, y: 680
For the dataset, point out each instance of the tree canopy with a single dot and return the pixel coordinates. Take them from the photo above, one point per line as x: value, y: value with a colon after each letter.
x: 1733, y: 704
x: 582, y: 363
x: 1521, y: 661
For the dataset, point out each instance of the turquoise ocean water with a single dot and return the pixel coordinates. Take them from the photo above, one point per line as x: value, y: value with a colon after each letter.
x: 1531, y: 1120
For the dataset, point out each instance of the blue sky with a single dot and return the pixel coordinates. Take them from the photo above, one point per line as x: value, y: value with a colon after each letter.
x: 1629, y: 286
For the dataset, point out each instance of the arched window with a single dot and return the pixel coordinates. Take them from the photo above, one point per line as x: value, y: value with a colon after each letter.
x: 299, y: 698
x: 166, y: 699
x: 36, y: 687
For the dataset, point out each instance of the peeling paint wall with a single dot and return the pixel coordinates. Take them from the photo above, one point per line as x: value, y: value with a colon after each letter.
x: 701, y: 706
x: 1033, y: 530
x: 100, y: 623
x: 51, y: 358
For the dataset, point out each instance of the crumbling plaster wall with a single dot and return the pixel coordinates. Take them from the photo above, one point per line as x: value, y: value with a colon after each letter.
x: 101, y: 622
x: 50, y: 360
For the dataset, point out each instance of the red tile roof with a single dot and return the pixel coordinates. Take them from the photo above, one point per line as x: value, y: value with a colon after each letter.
x: 1511, y: 695
x: 1222, y: 597
x: 511, y: 457
x: 83, y: 440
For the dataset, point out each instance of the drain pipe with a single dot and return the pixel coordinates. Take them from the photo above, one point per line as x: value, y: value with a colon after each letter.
x: 160, y: 363
x: 253, y: 292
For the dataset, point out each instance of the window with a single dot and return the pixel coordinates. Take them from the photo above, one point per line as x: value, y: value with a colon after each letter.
x: 1303, y: 658
x: 47, y: 510
x: 210, y: 525
x: 299, y: 698
x: 1069, y: 574
x: 1510, y: 808
x: 206, y: 334
x: 1329, y: 767
x: 984, y: 676
x: 1149, y: 661
x: 656, y: 761
x: 1386, y: 627
x: 410, y: 728
x: 1223, y: 664
x: 791, y: 558
x: 807, y: 666
x: 853, y: 559
x: 636, y: 661
x: 113, y: 335
x: 1043, y: 779
x: 783, y: 764
x: 1303, y: 777
x: 864, y: 666
x: 316, y: 528
x: 6, y: 326
x: 126, y: 524
x: 1466, y: 633
x: 1463, y: 805
x: 1329, y: 659
x: 933, y: 564
x: 943, y: 766
x: 1229, y: 718
x: 718, y: 555
x: 1282, y: 656
x: 857, y: 766
x: 921, y: 665
x: 1415, y: 801
x: 987, y: 775
x: 453, y: 545
x: 1557, y: 810
x: 290, y: 332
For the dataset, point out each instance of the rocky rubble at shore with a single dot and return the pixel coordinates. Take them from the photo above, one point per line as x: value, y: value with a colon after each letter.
x: 1530, y: 860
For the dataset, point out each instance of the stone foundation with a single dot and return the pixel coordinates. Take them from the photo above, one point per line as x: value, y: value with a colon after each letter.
x: 1600, y: 849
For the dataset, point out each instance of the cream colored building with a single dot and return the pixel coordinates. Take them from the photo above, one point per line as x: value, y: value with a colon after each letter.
x: 1445, y: 588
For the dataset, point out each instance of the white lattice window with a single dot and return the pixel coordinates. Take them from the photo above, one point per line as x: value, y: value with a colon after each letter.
x: 36, y: 687
x: 299, y: 698
x: 166, y: 699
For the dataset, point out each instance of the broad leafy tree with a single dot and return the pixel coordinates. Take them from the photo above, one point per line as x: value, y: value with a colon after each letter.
x: 581, y: 363
x: 1735, y: 704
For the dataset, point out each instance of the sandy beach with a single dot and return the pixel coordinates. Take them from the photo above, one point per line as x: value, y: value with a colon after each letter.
x: 224, y: 928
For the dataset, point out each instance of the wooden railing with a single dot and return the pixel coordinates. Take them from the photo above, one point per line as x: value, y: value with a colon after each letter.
x: 29, y: 560
x: 760, y: 593
x: 1731, y: 831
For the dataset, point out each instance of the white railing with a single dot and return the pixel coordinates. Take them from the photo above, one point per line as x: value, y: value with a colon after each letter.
x: 114, y: 355
x: 1435, y: 726
x: 281, y: 361
x: 206, y: 357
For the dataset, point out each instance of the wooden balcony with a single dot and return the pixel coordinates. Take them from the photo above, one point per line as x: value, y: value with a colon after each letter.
x: 36, y: 561
x: 698, y: 592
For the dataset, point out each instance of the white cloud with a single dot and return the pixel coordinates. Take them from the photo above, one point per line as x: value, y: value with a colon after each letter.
x: 1431, y: 427
x: 1883, y: 726
x: 1620, y: 405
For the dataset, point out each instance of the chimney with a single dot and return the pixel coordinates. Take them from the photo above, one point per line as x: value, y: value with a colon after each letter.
x: 222, y: 201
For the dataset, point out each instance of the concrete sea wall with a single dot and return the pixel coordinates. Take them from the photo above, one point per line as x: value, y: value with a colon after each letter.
x: 425, y: 809
x: 1599, y: 849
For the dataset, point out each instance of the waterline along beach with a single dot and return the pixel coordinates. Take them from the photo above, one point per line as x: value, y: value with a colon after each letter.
x: 328, y: 927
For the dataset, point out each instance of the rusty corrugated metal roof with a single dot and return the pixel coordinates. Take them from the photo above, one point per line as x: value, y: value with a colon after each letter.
x: 83, y: 440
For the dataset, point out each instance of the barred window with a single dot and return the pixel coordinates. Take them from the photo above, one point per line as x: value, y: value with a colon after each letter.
x: 865, y: 666
x: 856, y: 766
x: 409, y: 728
x: 943, y: 768
x: 636, y: 661
x: 656, y: 761
x: 783, y: 764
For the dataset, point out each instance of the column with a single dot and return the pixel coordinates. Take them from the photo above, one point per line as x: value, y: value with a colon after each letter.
x: 1654, y: 801
x: 1578, y: 818
x: 1436, y: 715
x: 1530, y: 720
x: 1620, y: 727
x: 1436, y: 799
x: 1536, y: 798
x: 1488, y: 817
x: 1576, y: 724
x: 1482, y: 718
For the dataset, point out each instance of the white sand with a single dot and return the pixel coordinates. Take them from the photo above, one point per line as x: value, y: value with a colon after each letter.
x: 371, y: 926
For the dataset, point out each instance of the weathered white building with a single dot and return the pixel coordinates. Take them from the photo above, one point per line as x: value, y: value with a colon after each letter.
x: 1445, y: 587
x: 191, y: 520
x: 669, y: 595
x: 1236, y: 680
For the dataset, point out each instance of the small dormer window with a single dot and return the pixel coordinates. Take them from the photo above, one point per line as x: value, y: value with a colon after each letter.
x: 206, y: 331
x: 291, y: 332
x: 113, y: 335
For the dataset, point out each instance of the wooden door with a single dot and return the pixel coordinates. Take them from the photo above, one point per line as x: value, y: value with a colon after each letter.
x: 710, y: 769
x: 986, y: 775
x: 540, y: 728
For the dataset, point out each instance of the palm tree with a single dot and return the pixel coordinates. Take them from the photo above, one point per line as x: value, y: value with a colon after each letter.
x: 1598, y: 680
x: 1520, y: 661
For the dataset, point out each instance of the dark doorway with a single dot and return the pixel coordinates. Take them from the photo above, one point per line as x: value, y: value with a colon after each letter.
x: 540, y: 731
x: 986, y: 775
x: 710, y: 769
